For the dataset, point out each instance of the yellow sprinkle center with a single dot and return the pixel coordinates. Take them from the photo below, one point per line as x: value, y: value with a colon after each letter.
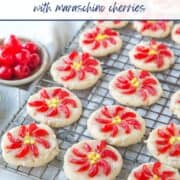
x: 93, y: 157
x: 52, y: 103
x: 116, y: 120
x: 100, y: 37
x: 135, y: 82
x: 174, y: 139
x: 152, y: 52
x: 28, y: 140
x: 77, y: 65
x: 155, y: 177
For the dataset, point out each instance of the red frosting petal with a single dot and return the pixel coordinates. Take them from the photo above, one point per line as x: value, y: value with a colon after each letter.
x: 32, y: 127
x: 44, y: 94
x: 43, y: 142
x: 101, y: 146
x: 23, y: 152
x: 14, y: 145
x: 84, y: 167
x: 36, y: 103
x: 78, y: 153
x: 34, y: 150
x: 109, y: 154
x: 78, y: 161
x: 53, y: 112
x: 40, y: 132
x: 105, y: 166
x: 93, y: 171
x: 12, y: 139
x: 22, y: 130
x: 69, y: 101
x: 70, y: 76
x: 87, y: 147
x: 73, y: 54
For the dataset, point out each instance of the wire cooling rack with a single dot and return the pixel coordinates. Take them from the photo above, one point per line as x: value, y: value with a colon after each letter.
x: 155, y: 115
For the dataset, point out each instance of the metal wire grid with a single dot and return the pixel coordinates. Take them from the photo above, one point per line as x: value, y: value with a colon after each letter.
x: 156, y: 115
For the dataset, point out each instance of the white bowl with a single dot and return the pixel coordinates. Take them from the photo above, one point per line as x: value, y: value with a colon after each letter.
x: 37, y: 73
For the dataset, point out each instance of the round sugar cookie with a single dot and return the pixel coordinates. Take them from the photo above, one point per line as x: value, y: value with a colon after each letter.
x: 154, y: 171
x: 176, y: 33
x: 92, y: 160
x: 29, y: 145
x: 76, y: 70
x: 118, y: 125
x: 175, y: 104
x: 135, y: 88
x: 152, y: 56
x: 56, y: 107
x: 100, y: 41
x: 156, y: 29
x: 164, y: 144
x: 116, y: 24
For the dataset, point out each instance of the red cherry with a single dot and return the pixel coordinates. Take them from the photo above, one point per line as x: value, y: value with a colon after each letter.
x: 6, y: 73
x: 23, y: 57
x: 13, y: 42
x: 34, y: 61
x: 7, y: 61
x: 21, y: 71
x: 6, y: 51
x: 30, y: 46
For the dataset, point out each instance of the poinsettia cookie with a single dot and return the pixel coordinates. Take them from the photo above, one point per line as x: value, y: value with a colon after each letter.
x: 156, y: 29
x: 118, y: 125
x: 92, y: 160
x: 116, y: 24
x: 175, y: 104
x: 100, y: 41
x: 154, y: 171
x: 176, y: 33
x: 76, y: 70
x: 152, y: 56
x: 56, y: 107
x: 29, y: 145
x: 164, y: 144
x: 135, y: 88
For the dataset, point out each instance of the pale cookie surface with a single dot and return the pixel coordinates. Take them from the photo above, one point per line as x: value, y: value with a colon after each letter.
x: 175, y: 104
x: 100, y: 41
x: 152, y: 56
x: 156, y: 29
x: 76, y: 70
x: 154, y: 171
x: 118, y: 125
x: 56, y: 107
x: 176, y: 33
x: 135, y: 88
x: 30, y: 145
x: 164, y: 144
x: 116, y: 24
x: 92, y: 160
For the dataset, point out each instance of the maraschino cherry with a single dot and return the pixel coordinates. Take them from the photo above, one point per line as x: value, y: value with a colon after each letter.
x: 18, y: 59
